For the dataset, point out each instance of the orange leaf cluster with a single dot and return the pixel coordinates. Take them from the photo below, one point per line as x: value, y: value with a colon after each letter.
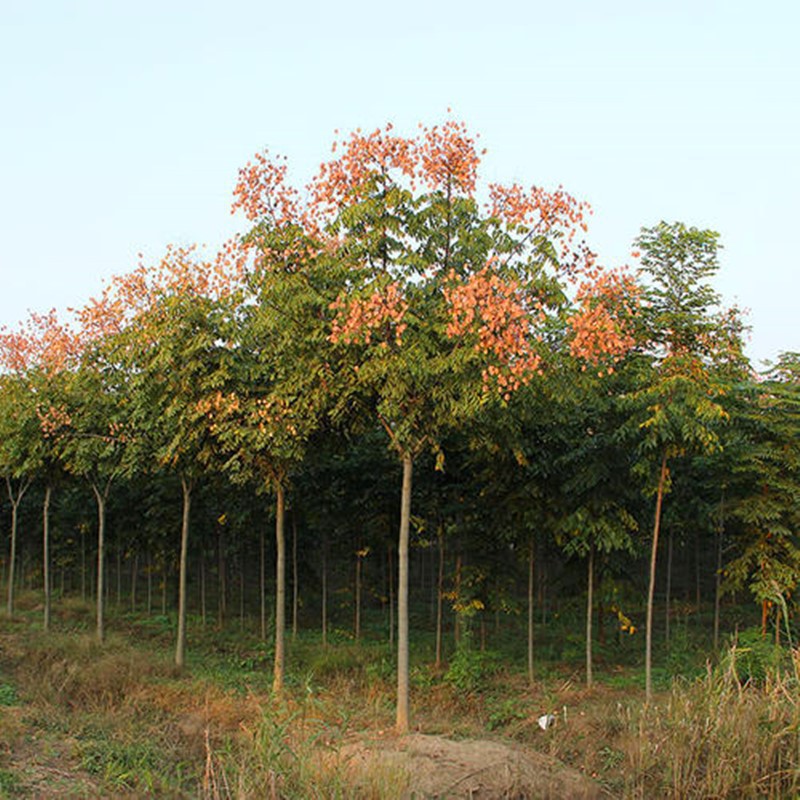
x: 555, y: 214
x: 493, y: 310
x: 448, y: 158
x: 262, y: 192
x: 345, y: 180
x: 357, y: 320
x: 600, y: 327
x: 53, y: 419
x: 40, y: 343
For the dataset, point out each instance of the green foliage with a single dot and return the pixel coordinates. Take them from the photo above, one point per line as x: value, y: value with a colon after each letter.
x: 470, y: 670
x: 8, y: 695
x: 10, y: 784
x: 131, y: 766
x: 504, y: 712
x: 754, y: 657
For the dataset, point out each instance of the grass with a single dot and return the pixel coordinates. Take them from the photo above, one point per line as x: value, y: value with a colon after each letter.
x: 118, y: 720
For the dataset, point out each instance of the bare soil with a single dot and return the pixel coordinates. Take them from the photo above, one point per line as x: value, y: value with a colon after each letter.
x: 437, y: 767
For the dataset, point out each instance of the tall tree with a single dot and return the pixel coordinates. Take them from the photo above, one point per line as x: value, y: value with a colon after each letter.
x: 686, y: 337
x: 445, y: 304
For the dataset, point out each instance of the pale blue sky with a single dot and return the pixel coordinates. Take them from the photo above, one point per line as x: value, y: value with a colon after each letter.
x: 123, y: 124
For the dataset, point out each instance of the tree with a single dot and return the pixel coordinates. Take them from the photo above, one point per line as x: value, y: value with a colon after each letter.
x: 685, y: 339
x: 446, y: 305
x: 33, y: 362
x: 764, y: 496
x: 173, y: 352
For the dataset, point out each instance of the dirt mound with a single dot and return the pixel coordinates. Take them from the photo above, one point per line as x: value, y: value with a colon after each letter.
x: 435, y: 767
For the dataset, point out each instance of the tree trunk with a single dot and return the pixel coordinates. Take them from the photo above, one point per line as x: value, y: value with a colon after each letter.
x: 46, y: 554
x: 15, y: 498
x: 101, y: 498
x: 439, y: 596
x: 202, y: 590
x: 242, y: 581
x: 531, y: 605
x: 668, y: 592
x: 180, y: 645
x: 391, y: 596
x: 149, y: 582
x: 280, y: 589
x: 718, y: 572
x: 403, y: 702
x: 134, y: 578
x: 83, y: 562
x: 457, y: 592
x: 648, y: 651
x: 325, y: 591
x: 262, y: 582
x: 589, y: 610
x: 222, y: 575
x: 295, y: 582
x: 119, y: 575
x: 357, y: 600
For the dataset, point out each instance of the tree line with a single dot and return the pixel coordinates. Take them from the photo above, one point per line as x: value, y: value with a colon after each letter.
x: 398, y: 319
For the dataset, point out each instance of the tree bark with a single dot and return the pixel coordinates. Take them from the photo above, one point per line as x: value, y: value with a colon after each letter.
x: 391, y: 597
x: 295, y: 582
x: 325, y: 591
x: 403, y: 700
x: 648, y: 651
x: 589, y: 609
x: 262, y: 582
x: 46, y: 555
x: 439, y: 596
x: 280, y: 588
x: 718, y: 572
x: 180, y: 645
x: 357, y: 600
x: 15, y: 498
x: 668, y: 598
x: 531, y: 575
x: 101, y: 497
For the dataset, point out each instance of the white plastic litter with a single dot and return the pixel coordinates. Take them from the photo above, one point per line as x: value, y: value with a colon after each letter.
x: 546, y: 720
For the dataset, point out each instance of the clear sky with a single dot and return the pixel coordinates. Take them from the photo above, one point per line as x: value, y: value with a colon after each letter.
x: 123, y: 123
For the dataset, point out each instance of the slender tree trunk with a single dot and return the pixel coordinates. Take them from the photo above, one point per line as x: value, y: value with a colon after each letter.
x: 648, y: 652
x: 15, y: 498
x: 46, y: 554
x: 439, y: 596
x: 589, y: 610
x: 325, y: 591
x: 83, y: 563
x: 180, y: 645
x: 164, y: 584
x: 280, y: 589
x: 134, y: 578
x: 357, y: 603
x: 718, y: 571
x: 391, y: 596
x: 119, y: 575
x: 242, y: 581
x: 531, y: 576
x: 295, y: 581
x: 222, y: 574
x: 101, y: 497
x: 203, y: 589
x: 262, y: 582
x: 457, y: 624
x: 403, y: 700
x: 149, y: 582
x: 668, y: 598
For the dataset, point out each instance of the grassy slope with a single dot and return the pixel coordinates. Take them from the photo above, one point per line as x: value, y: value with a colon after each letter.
x: 83, y: 720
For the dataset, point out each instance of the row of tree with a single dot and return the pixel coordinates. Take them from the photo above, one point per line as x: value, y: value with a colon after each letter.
x: 472, y: 328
